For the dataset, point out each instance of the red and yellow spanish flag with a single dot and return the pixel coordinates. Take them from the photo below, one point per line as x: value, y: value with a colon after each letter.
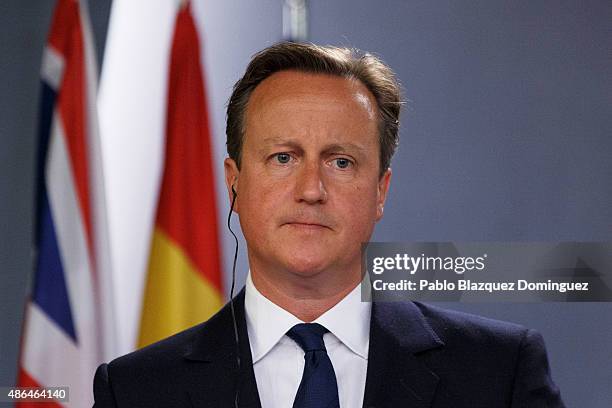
x: 184, y: 275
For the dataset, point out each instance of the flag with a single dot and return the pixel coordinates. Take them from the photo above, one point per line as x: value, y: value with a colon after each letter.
x: 69, y: 324
x: 183, y: 283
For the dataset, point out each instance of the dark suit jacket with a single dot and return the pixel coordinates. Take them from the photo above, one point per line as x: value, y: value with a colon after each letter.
x: 420, y: 356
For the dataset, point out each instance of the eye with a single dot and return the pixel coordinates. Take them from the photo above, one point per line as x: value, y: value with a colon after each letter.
x: 343, y: 162
x: 283, y: 158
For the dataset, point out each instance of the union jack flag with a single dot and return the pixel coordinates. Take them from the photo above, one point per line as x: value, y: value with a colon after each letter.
x: 69, y: 326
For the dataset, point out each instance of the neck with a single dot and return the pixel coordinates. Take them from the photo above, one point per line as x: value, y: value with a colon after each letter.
x: 305, y: 297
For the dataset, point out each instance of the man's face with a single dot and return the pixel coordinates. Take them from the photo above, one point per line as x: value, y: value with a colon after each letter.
x: 309, y: 191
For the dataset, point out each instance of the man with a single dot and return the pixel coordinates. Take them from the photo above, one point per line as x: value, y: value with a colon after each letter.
x: 310, y: 135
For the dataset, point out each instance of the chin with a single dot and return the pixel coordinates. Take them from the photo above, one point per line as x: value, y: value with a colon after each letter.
x: 306, y: 265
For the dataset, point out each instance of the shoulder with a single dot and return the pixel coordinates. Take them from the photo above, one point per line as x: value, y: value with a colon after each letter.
x: 456, y: 339
x: 432, y: 326
x: 145, y: 376
x: 491, y: 347
x: 451, y: 326
x: 498, y: 351
x: 195, y: 343
x: 163, y: 373
x: 162, y: 353
x: 483, y: 339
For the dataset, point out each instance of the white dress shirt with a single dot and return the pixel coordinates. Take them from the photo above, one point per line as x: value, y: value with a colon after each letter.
x: 278, y: 361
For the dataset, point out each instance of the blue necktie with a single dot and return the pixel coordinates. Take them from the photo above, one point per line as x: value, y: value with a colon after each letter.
x: 318, y: 388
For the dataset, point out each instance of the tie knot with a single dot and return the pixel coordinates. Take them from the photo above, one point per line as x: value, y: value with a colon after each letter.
x: 309, y: 336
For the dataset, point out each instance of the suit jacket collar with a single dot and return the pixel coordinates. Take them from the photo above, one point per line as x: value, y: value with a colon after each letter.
x: 213, y: 354
x: 396, y: 376
x: 399, y: 334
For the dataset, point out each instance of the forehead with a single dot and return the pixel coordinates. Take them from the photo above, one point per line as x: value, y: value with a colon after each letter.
x: 290, y: 84
x: 298, y: 103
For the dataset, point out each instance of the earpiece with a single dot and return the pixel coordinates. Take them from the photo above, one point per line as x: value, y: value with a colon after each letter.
x: 236, y: 336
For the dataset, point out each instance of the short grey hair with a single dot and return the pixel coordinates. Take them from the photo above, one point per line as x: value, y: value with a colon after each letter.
x: 378, y: 78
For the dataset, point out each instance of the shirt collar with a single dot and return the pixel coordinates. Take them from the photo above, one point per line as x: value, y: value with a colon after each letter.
x: 267, y: 323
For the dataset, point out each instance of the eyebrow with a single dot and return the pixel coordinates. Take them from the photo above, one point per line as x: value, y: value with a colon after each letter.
x: 333, y: 147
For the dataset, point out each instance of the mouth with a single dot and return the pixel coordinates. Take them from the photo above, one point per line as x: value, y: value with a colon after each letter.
x: 306, y: 226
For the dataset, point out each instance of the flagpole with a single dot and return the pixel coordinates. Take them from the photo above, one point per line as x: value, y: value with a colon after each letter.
x: 295, y: 20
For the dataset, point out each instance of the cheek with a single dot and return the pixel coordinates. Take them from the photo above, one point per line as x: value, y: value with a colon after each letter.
x: 364, y: 217
x: 358, y: 209
x: 258, y: 198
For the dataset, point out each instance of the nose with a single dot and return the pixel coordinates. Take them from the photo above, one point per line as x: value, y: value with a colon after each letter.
x: 310, y: 186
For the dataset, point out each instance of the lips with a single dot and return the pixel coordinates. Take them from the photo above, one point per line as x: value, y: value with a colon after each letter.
x: 306, y: 220
x: 306, y: 224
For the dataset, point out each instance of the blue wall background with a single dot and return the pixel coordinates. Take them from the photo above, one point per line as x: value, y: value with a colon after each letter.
x: 506, y: 136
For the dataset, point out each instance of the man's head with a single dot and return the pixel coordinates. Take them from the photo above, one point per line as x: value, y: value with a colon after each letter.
x: 309, y: 147
x: 335, y: 61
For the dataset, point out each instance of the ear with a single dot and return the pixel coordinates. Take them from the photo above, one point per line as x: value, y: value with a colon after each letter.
x: 231, y: 179
x: 383, y: 189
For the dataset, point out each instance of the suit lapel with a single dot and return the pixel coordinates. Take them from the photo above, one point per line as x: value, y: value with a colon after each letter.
x: 396, y: 375
x: 213, y: 363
